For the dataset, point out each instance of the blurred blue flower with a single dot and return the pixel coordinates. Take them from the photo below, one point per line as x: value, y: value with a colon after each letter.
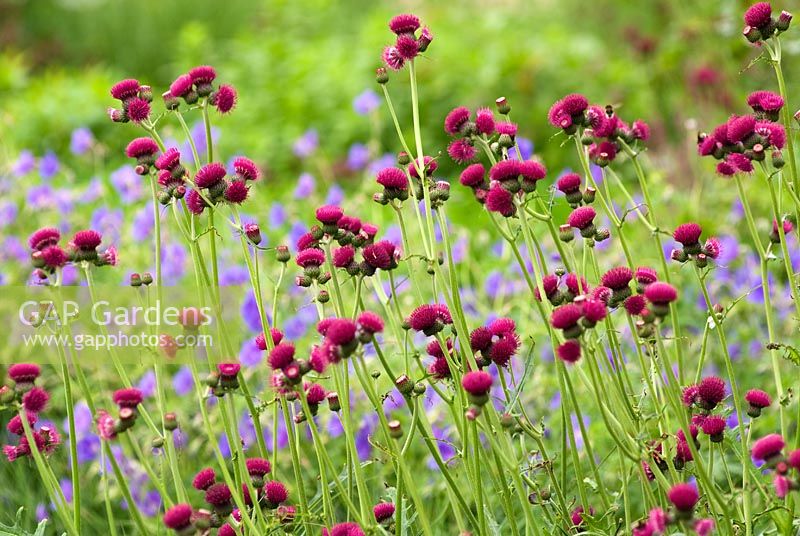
x: 384, y: 161
x: 182, y: 381
x: 81, y: 140
x: 107, y: 222
x: 525, y: 149
x: 277, y: 215
x: 357, y: 156
x: 127, y: 183
x: 92, y: 192
x: 366, y: 101
x: 147, y: 383
x: 143, y: 223
x: 25, y: 163
x: 335, y: 195
x: 173, y: 262
x: 306, y: 144
x: 305, y: 185
x: 8, y: 213
x: 49, y: 165
x: 249, y: 354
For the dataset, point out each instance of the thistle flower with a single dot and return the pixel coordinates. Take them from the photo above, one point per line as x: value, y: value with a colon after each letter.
x: 236, y: 192
x: 381, y: 255
x: 405, y: 23
x: 369, y: 323
x: 794, y: 459
x: 24, y: 373
x: 138, y: 110
x: 224, y: 98
x: 635, y: 305
x: 106, y: 425
x: 392, y: 58
x: 484, y: 121
x: 505, y: 170
x: 219, y: 496
x: 329, y: 214
x: 462, y: 151
x: 710, y: 392
x: 714, y: 426
x: 245, y: 168
x: 504, y: 348
x: 341, y: 331
x: 128, y: 398
x: 257, y: 467
x: 315, y: 394
x: 181, y: 86
x: 617, y: 279
x: 169, y: 159
x: 660, y: 295
x: 683, y: 497
x: 54, y: 257
x: 565, y: 317
x: 204, y: 479
x: 477, y: 384
x: 343, y: 257
x: 602, y: 153
x: 210, y: 175
x: 392, y: 178
x: 179, y: 517
x: 15, y: 425
x: 275, y: 493
x: 569, y: 351
x: 344, y: 529
x: 500, y: 200
x: 202, y: 74
x: 456, y: 120
x: 383, y: 511
x: 767, y: 447
x: 582, y: 218
x: 310, y: 257
x: 125, y: 89
x: 140, y: 148
x: 35, y: 400
x: 429, y: 166
x: 429, y: 318
x: 43, y: 238
x: 757, y: 400
x: 758, y: 15
x: 281, y: 356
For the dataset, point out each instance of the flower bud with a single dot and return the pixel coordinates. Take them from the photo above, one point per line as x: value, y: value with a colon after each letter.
x: 333, y: 401
x: 783, y: 22
x: 565, y: 233
x: 404, y: 384
x: 157, y: 442
x: 589, y: 195
x: 146, y: 93
x: 147, y: 278
x: 117, y: 116
x: 403, y: 159
x: 777, y: 159
x: 323, y: 296
x: 282, y: 254
x: 136, y: 280
x: 419, y: 388
x: 752, y: 34
x: 170, y: 102
x: 253, y: 233
x: 602, y: 234
x: 381, y: 76
x: 395, y: 429
x: 170, y: 421
x: 502, y: 106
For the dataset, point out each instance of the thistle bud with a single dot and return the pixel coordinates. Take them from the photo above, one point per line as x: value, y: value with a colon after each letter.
x: 589, y: 195
x: 783, y: 22
x: 170, y: 102
x: 164, y: 198
x: 253, y: 233
x: 403, y: 159
x: 502, y: 106
x: 157, y: 442
x: 147, y: 278
x: 136, y: 280
x: 116, y: 115
x: 395, y: 429
x: 282, y: 254
x: 777, y: 159
x: 323, y: 296
x: 333, y: 401
x: 419, y: 388
x: 679, y: 255
x: 146, y: 93
x: 381, y: 76
x: 752, y: 34
x: 565, y: 233
x: 170, y: 421
x: 404, y: 384
x: 602, y: 234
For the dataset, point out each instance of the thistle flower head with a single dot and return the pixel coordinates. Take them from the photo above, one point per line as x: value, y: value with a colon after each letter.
x: 281, y: 355
x: 125, y: 89
x: 87, y: 240
x: 329, y: 214
x: 383, y: 511
x: 711, y: 391
x: 500, y: 200
x: 315, y: 393
x: 202, y: 74
x: 179, y: 517
x: 35, y: 400
x: 765, y: 101
x: 767, y: 447
x: 405, y: 23
x: 181, y: 86
x: 138, y: 109
x: 210, y: 175
x: 44, y: 237
x: 236, y: 192
x: 683, y: 497
x: 139, y: 147
x: 484, y: 121
x: 229, y: 369
x: 168, y: 159
x: 758, y: 398
x: 348, y: 528
x: 204, y: 479
x: 505, y: 170
x: 713, y: 425
x: 275, y: 492
x: 24, y: 372
x: 224, y: 98
x: 341, y: 331
x: 617, y: 278
x: 687, y: 233
x: 473, y: 175
x: 310, y: 257
x: 582, y: 217
x: 566, y: 316
x: 246, y: 168
x: 393, y: 178
x: 476, y: 382
x: 455, y: 120
x: 758, y: 15
x: 569, y: 351
x: 370, y: 322
x: 660, y: 293
x: 462, y: 151
x: 128, y: 398
x: 218, y: 494
x: 380, y: 255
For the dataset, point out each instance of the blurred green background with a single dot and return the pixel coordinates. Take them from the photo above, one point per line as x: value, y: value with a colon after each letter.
x: 299, y: 65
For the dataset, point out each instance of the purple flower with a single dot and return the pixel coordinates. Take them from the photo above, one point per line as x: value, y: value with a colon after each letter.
x: 147, y: 384
x: 249, y: 354
x: 182, y: 381
x: 173, y: 262
x: 363, y: 446
x: 107, y: 223
x: 357, y: 156
x: 234, y: 275
x: 49, y: 165
x: 88, y: 449
x: 92, y: 192
x: 277, y: 215
x: 306, y: 144
x: 81, y: 140
x: 446, y: 448
x: 250, y: 314
x: 384, y: 161
x: 525, y: 147
x: 366, y: 101
x: 335, y: 195
x: 143, y: 223
x: 305, y: 185
x: 8, y: 213
x: 25, y: 163
x: 127, y: 183
x: 297, y: 230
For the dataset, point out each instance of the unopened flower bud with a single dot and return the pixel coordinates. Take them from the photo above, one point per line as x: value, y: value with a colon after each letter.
x: 146, y: 93
x: 170, y: 102
x: 602, y: 234
x: 157, y: 442
x: 419, y: 388
x: 565, y: 233
x: 147, y: 278
x: 170, y: 421
x: 253, y: 233
x: 395, y: 429
x: 381, y: 76
x: 404, y: 384
x: 403, y: 159
x: 783, y: 22
x: 282, y: 254
x: 679, y: 255
x: 136, y: 280
x: 116, y: 115
x: 333, y: 401
x: 323, y: 296
x: 777, y: 159
x: 752, y: 34
x: 502, y: 106
x: 589, y: 195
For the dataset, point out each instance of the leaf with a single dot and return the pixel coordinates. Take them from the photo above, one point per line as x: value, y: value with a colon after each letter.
x: 791, y: 354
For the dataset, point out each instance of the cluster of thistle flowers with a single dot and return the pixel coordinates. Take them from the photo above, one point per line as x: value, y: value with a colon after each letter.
x: 352, y: 237
x: 768, y: 451
x: 408, y: 44
x: 271, y: 496
x: 688, y: 235
x: 47, y: 256
x: 745, y: 139
x: 684, y: 498
x: 602, y: 128
x: 198, y: 83
x: 31, y: 401
x: 760, y: 24
x: 579, y: 307
x: 396, y: 182
x: 127, y: 400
